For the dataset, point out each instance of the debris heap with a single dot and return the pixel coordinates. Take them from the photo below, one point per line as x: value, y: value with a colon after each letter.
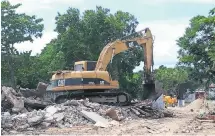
x: 15, y: 102
x: 21, y: 115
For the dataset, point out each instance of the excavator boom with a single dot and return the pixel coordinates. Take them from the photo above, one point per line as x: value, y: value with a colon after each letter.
x: 118, y: 46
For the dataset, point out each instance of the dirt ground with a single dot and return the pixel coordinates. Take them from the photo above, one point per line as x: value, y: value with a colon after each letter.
x: 184, y: 123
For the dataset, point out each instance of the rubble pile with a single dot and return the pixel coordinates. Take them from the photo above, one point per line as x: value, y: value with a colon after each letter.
x: 32, y: 113
x: 196, y: 126
x: 38, y: 92
x: 13, y: 101
x: 210, y: 115
x: 74, y: 113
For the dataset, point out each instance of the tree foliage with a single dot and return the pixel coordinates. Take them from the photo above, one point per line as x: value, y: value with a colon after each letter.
x: 171, y: 77
x: 197, y: 47
x: 82, y: 36
x: 16, y: 28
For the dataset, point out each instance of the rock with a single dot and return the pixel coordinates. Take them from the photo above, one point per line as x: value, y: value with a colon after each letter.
x: 7, y: 125
x: 30, y: 129
x: 6, y: 121
x: 35, y: 120
x: 49, y: 119
x: 183, y: 131
x: 23, y: 127
x: 167, y: 113
x: 199, y: 128
x: 2, y: 96
x: 112, y: 114
x: 41, y: 89
x: 60, y: 125
x: 18, y: 104
x: 13, y: 92
x: 51, y: 110
x: 71, y: 102
x: 58, y: 116
x: 6, y: 114
x: 13, y: 132
x: 94, y: 106
x: 187, y: 131
x: 45, y: 124
x: 36, y: 104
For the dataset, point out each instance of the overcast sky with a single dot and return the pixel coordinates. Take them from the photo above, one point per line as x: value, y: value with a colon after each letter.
x: 167, y: 20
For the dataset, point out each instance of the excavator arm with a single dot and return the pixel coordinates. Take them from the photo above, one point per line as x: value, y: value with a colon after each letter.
x: 118, y: 46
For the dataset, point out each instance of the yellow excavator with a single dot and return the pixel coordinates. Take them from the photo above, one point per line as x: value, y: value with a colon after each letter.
x: 90, y: 79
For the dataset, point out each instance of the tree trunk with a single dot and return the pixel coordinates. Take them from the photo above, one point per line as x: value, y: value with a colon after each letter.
x: 10, y: 67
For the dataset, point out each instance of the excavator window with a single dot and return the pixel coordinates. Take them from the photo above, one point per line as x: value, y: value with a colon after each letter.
x: 91, y: 65
x: 78, y: 67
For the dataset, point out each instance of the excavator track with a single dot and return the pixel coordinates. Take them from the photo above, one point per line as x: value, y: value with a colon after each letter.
x: 104, y: 97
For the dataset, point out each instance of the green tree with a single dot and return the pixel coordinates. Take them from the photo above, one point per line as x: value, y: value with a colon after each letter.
x: 16, y: 28
x: 26, y: 70
x: 83, y: 36
x: 197, y: 47
x: 171, y: 77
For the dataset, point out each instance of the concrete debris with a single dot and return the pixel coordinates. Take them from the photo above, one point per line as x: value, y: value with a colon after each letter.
x: 206, y: 115
x: 58, y: 117
x: 69, y: 114
x: 94, y: 117
x: 18, y: 103
x: 79, y: 112
x: 15, y: 102
x: 196, y: 126
x: 41, y: 89
x: 35, y: 120
x: 39, y: 92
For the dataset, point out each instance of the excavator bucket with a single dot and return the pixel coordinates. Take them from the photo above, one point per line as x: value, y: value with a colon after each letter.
x: 148, y: 91
x: 152, y: 91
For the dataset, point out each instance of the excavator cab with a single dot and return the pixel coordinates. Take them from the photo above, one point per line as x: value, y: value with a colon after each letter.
x: 85, y: 65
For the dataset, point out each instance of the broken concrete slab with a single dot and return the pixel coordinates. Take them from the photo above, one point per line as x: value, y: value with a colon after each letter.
x: 49, y: 119
x: 35, y: 120
x: 41, y: 89
x: 18, y: 104
x: 94, y: 117
x: 51, y: 110
x: 39, y: 92
x: 45, y: 124
x: 58, y: 116
x: 36, y: 103
x: 2, y: 96
x: 22, y: 127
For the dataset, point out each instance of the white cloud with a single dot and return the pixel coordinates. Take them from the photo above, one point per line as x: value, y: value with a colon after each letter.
x: 31, y: 6
x: 166, y: 33
x: 158, y: 2
x: 37, y: 45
